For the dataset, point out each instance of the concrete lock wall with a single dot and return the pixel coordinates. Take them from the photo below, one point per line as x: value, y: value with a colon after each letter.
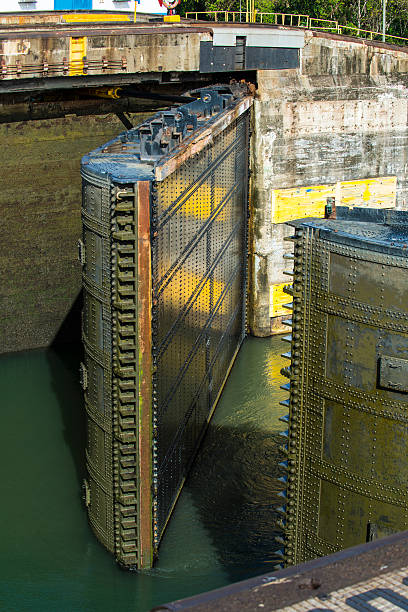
x: 40, y: 203
x: 322, y: 131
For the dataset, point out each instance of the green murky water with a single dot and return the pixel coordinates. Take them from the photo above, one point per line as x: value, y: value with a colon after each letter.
x: 222, y: 527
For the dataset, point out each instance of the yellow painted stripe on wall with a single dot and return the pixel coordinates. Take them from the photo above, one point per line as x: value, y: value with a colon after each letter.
x: 374, y: 192
x: 277, y: 298
x: 300, y: 202
x: 77, y: 52
x: 310, y: 201
x: 86, y: 17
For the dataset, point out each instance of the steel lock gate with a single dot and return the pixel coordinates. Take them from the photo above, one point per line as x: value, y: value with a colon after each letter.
x: 164, y: 273
x: 347, y: 442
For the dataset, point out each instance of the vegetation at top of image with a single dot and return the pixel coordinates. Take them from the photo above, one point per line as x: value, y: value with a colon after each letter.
x: 364, y: 14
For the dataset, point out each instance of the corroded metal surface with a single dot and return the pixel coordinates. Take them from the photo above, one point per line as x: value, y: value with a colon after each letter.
x: 164, y: 273
x: 347, y: 438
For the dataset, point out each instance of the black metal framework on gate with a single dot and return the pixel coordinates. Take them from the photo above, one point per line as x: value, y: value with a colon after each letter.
x: 164, y: 256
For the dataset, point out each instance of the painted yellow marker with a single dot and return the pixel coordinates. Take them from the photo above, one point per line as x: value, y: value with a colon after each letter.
x: 277, y: 298
x: 90, y: 18
x: 77, y: 52
x: 171, y: 18
x: 310, y: 201
x: 373, y: 192
x: 300, y: 202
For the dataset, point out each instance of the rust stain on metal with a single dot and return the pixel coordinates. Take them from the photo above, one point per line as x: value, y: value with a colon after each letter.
x: 145, y: 375
x: 191, y: 147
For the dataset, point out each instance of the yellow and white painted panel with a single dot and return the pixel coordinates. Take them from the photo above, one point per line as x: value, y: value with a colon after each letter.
x: 300, y: 202
x: 310, y: 201
x: 77, y: 52
x: 373, y: 192
x: 277, y: 298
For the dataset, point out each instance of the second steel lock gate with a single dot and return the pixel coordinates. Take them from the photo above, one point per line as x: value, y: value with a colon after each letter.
x: 164, y: 271
x: 346, y: 442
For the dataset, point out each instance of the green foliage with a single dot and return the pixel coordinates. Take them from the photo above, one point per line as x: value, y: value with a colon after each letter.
x: 365, y: 14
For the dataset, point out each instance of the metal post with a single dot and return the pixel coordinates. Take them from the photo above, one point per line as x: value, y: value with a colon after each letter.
x: 135, y: 10
x: 383, y: 19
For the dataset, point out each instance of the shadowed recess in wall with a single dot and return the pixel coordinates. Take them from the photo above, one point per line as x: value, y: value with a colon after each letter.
x: 70, y: 329
x: 64, y: 357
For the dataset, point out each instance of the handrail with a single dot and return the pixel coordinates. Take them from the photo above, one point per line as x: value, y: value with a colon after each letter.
x: 298, y: 21
x: 323, y: 24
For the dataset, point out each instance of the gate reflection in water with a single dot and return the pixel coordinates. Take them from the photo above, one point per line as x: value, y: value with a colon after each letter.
x: 221, y: 530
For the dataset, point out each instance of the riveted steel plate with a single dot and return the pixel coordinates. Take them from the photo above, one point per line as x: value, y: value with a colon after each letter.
x: 394, y: 373
x: 348, y: 440
x: 198, y: 254
x: 164, y: 274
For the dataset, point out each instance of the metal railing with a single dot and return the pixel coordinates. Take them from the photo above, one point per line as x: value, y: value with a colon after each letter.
x: 297, y: 21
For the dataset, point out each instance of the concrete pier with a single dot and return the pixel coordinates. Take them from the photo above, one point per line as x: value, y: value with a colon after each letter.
x: 335, y: 127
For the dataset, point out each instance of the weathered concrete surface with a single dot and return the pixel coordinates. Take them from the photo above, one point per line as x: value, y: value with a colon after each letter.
x: 59, y: 51
x: 40, y: 204
x: 341, y: 116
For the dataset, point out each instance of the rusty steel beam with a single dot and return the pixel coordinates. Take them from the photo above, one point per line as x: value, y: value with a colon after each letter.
x: 145, y: 435
x: 91, y: 101
x: 27, y: 111
x: 206, y: 137
x: 74, y: 83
